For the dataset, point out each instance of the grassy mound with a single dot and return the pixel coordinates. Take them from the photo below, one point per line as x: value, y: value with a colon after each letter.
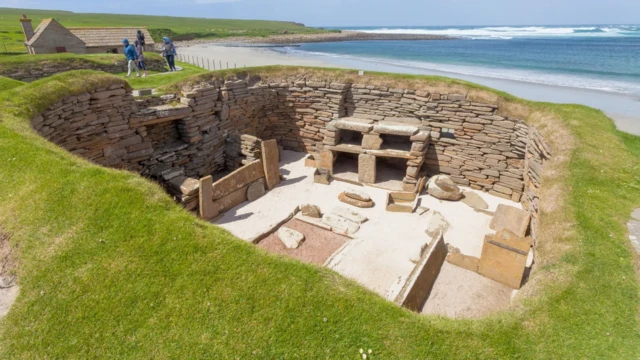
x: 6, y: 83
x: 181, y: 28
x: 110, y: 267
x: 11, y: 64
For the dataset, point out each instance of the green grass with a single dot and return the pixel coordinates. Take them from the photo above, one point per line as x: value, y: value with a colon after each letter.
x: 157, y: 80
x: 10, y: 64
x: 6, y: 83
x: 159, y: 26
x: 110, y: 267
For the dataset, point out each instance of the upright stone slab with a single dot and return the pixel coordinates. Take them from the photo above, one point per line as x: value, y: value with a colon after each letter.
x: 371, y: 141
x: 504, y: 258
x: 271, y: 163
x: 325, y: 161
x: 207, y: 210
x: 512, y: 219
x: 367, y: 168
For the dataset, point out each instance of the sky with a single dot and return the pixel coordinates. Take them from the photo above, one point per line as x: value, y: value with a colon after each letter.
x: 368, y: 12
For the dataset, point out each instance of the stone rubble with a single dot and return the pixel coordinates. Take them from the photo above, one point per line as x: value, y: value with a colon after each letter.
x: 290, y: 238
x: 443, y: 188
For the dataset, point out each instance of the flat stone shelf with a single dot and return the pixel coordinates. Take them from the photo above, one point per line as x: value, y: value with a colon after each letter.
x: 366, y: 126
x: 356, y: 149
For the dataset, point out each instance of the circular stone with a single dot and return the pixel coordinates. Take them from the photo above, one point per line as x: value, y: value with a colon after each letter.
x: 443, y: 188
x: 290, y: 238
x: 256, y: 190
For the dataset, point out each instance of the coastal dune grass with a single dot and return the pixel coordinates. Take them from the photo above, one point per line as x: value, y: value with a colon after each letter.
x: 110, y: 267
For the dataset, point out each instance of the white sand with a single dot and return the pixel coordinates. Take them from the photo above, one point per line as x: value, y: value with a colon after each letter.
x: 383, y: 247
x: 241, y: 57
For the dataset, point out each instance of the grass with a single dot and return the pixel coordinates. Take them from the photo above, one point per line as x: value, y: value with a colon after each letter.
x: 156, y: 80
x: 180, y: 28
x: 6, y: 83
x: 11, y: 64
x: 110, y: 267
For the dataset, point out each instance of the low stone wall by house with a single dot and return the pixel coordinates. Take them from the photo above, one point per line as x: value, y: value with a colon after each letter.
x: 39, y: 70
x: 218, y: 125
x: 538, y: 152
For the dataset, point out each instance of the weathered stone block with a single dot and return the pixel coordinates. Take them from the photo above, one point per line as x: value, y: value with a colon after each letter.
x: 504, y: 258
x: 371, y: 141
x: 512, y: 219
x: 270, y: 160
x: 367, y: 168
x: 207, y: 209
x: 238, y: 179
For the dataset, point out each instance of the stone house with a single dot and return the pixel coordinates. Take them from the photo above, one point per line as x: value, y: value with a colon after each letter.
x: 51, y: 37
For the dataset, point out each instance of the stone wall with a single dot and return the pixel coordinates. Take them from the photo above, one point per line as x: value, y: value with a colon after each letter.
x: 538, y: 152
x: 215, y: 126
x: 38, y: 70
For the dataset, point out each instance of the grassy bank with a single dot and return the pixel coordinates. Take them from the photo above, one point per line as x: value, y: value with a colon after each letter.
x: 6, y: 83
x: 159, y: 26
x: 110, y: 267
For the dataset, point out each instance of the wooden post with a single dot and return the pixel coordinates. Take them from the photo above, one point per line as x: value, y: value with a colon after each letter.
x: 207, y: 210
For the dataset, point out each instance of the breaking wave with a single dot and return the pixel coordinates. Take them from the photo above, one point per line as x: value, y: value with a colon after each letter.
x: 510, y: 32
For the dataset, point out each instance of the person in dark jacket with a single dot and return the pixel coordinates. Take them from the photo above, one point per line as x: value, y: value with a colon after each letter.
x: 140, y: 53
x: 140, y: 38
x: 132, y: 57
x: 169, y: 52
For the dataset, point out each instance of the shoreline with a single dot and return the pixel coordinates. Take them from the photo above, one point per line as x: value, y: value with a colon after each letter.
x: 623, y: 109
x: 288, y: 39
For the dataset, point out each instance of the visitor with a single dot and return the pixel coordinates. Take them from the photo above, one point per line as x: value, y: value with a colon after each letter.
x: 132, y: 56
x: 140, y: 37
x: 169, y: 52
x: 140, y: 53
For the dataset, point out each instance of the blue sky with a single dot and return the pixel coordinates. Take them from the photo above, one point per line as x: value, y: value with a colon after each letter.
x: 368, y: 12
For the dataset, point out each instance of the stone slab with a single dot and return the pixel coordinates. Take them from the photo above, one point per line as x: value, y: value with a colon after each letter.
x: 207, y: 208
x: 311, y: 211
x: 634, y: 234
x: 357, y: 203
x: 474, y: 200
x: 238, y: 179
x: 366, y: 169
x: 270, y: 160
x: 371, y: 142
x: 349, y: 214
x: 357, y: 195
x: 256, y: 190
x: 418, y: 287
x: 231, y: 200
x: 340, y: 225
x: 510, y: 218
x: 321, y: 176
x: 500, y: 262
x: 437, y: 223
x: 313, y: 221
x: 290, y: 238
x: 325, y: 160
x: 396, y: 129
x: 466, y: 262
x: 354, y: 124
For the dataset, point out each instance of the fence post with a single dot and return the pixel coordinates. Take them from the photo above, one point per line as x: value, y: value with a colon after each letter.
x: 227, y: 65
x: 214, y: 64
x: 220, y: 64
x: 209, y: 64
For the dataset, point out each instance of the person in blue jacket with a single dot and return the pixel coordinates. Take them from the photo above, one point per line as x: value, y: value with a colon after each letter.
x: 169, y: 52
x: 132, y: 57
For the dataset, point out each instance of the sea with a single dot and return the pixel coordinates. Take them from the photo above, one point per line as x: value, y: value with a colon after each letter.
x: 594, y: 65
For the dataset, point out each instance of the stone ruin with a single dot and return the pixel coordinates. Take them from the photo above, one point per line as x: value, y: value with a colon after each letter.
x: 215, y: 145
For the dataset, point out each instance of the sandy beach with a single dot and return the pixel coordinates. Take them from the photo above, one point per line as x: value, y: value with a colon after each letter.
x: 623, y: 109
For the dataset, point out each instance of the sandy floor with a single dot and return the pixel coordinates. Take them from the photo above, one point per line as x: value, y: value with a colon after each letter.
x: 460, y: 293
x: 318, y: 246
x: 381, y: 252
x: 243, y: 56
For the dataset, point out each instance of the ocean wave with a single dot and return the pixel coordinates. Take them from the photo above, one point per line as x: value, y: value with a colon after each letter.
x: 530, y: 76
x: 510, y: 32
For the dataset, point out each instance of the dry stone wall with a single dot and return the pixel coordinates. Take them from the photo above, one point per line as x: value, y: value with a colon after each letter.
x: 39, y: 70
x: 215, y: 126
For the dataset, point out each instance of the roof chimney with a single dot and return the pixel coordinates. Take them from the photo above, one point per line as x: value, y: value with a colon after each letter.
x: 26, y: 27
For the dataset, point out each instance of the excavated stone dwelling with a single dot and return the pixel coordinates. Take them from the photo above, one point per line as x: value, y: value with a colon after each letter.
x: 362, y: 134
